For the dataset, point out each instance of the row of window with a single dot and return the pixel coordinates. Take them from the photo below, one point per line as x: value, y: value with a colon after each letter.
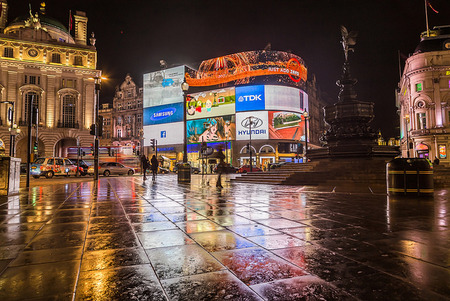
x: 419, y: 86
x: 36, y: 80
x: 55, y: 58
x: 68, y: 107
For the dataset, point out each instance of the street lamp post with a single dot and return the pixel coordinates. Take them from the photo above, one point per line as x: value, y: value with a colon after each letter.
x: 13, y: 129
x: 406, y: 133
x: 98, y: 81
x: 306, y: 116
x: 184, y: 170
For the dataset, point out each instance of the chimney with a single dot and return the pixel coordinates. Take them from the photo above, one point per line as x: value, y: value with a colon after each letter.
x: 80, y: 27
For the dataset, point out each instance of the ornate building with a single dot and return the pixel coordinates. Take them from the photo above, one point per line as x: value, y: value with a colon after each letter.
x: 127, y: 114
x: 42, y: 63
x: 423, y: 98
x: 106, y: 111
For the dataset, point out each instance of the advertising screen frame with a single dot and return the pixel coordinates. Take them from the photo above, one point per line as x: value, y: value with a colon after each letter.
x: 214, y: 129
x: 212, y: 103
x: 163, y: 114
x: 163, y: 87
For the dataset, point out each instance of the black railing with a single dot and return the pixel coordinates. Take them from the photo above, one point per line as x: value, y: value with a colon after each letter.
x: 68, y: 125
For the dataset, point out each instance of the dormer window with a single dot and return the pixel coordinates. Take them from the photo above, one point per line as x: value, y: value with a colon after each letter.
x: 8, y: 52
x: 78, y: 61
x: 56, y: 58
x: 419, y: 87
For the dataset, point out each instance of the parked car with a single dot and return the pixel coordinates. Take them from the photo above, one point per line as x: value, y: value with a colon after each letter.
x: 194, y: 170
x: 84, y: 166
x: 228, y: 168
x: 163, y: 170
x: 52, y: 166
x: 246, y: 168
x: 112, y: 168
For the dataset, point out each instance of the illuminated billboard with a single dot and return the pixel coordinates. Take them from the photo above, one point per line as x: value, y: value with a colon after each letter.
x: 250, y: 98
x: 165, y: 134
x: 244, y: 67
x: 211, y: 129
x: 286, y: 125
x: 283, y: 98
x: 163, y: 114
x: 212, y: 103
x: 163, y: 87
x: 259, y: 125
x: 270, y: 97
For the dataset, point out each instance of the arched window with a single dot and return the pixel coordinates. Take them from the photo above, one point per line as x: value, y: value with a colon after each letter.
x: 31, y: 96
x: 69, y: 111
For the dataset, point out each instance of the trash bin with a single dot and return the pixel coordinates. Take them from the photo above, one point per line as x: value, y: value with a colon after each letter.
x: 410, y: 176
x: 184, y: 173
x: 9, y: 175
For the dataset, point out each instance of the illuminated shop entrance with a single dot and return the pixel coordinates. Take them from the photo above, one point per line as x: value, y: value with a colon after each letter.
x: 423, y: 151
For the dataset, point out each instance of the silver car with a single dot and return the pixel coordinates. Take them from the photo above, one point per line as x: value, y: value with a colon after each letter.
x: 114, y: 168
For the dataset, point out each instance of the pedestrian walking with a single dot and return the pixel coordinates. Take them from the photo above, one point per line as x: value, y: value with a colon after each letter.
x: 144, y: 165
x: 154, y: 166
x: 220, y: 167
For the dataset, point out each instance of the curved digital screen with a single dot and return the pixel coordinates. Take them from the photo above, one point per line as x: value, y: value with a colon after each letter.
x: 244, y: 67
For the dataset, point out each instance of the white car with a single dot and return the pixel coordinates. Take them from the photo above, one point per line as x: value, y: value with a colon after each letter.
x: 112, y: 168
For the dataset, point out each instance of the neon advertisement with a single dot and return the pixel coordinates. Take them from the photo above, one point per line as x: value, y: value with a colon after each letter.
x: 163, y: 114
x: 211, y: 129
x: 163, y: 87
x: 241, y: 67
x: 442, y: 152
x: 286, y: 125
x: 258, y: 127
x: 212, y: 103
x: 250, y: 98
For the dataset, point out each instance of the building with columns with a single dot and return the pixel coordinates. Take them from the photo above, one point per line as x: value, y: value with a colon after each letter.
x: 41, y: 62
x: 423, y: 98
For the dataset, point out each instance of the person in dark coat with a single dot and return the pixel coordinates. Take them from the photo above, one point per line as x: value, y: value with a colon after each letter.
x: 154, y: 166
x: 144, y: 165
x: 220, y: 167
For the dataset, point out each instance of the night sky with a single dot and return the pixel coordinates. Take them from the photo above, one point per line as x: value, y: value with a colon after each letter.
x: 133, y: 36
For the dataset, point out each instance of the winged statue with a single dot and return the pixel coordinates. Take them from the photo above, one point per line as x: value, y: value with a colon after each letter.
x: 348, y: 40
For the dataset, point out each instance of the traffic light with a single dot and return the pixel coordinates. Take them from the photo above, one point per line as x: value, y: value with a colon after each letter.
x: 153, y: 143
x: 203, y: 147
x: 35, y: 146
x: 92, y: 132
x: 248, y: 146
x: 92, y: 149
x: 100, y: 125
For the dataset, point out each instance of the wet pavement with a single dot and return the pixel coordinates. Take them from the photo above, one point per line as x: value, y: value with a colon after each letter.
x: 127, y: 240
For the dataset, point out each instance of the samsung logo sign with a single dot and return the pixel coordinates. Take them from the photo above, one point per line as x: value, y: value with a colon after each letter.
x: 164, y: 113
x: 250, y: 98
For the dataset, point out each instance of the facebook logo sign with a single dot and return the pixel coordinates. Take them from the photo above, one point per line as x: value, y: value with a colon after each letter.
x: 250, y: 98
x: 163, y: 134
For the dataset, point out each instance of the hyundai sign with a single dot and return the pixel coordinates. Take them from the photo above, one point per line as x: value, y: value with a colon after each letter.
x: 250, y: 98
x: 163, y: 114
x: 256, y: 122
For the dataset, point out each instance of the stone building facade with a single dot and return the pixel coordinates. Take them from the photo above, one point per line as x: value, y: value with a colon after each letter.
x: 423, y: 98
x: 127, y: 122
x: 42, y: 63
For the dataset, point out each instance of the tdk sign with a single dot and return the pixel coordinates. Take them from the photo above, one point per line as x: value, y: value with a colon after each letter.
x: 250, y: 98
